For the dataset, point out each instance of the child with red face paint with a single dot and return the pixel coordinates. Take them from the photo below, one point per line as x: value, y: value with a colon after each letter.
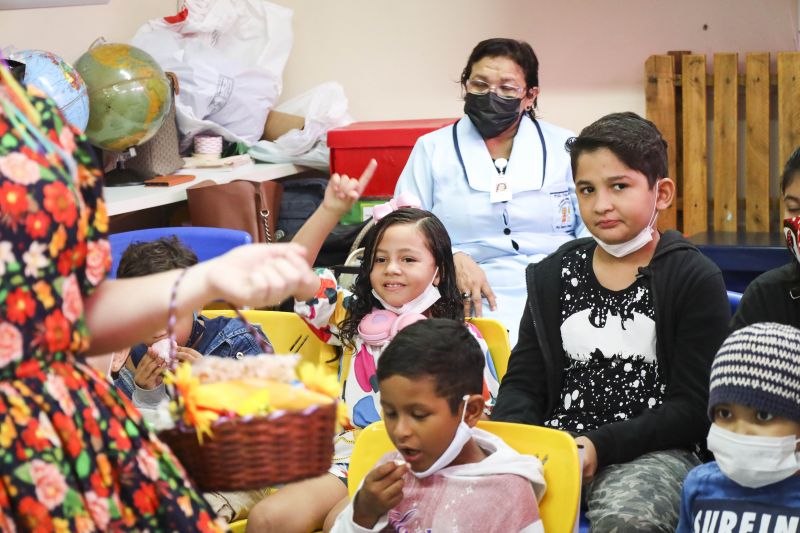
x: 774, y: 296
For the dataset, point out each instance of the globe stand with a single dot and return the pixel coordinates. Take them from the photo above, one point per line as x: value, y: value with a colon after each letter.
x: 122, y: 176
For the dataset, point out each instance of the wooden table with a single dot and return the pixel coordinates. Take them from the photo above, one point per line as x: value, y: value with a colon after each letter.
x: 121, y: 200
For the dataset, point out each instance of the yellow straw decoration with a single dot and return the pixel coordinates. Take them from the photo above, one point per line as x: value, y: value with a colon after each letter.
x: 186, y: 386
x: 318, y: 378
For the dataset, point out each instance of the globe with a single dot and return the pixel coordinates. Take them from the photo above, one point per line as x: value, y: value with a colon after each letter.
x: 58, y: 80
x: 129, y: 98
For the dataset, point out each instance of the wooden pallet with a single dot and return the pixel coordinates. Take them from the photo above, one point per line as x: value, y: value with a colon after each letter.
x: 719, y: 125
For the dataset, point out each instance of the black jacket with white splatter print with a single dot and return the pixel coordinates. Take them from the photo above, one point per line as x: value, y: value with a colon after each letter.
x: 691, y: 315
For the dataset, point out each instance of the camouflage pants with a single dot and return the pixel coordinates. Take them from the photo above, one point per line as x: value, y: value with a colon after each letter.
x: 643, y: 495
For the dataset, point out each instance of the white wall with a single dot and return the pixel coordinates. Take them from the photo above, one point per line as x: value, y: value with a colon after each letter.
x: 402, y: 59
x: 69, y: 31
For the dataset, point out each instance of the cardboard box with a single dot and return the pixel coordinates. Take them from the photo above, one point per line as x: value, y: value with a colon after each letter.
x: 388, y: 142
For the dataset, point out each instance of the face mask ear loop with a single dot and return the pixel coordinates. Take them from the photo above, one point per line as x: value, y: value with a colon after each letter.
x: 464, y: 412
x: 655, y: 209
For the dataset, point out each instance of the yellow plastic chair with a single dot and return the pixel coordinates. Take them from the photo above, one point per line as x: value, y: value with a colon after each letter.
x: 496, y: 336
x: 237, y: 527
x: 287, y: 332
x: 240, y: 526
x: 556, y: 449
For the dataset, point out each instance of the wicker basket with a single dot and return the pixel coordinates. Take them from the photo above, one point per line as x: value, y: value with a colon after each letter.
x: 258, y: 452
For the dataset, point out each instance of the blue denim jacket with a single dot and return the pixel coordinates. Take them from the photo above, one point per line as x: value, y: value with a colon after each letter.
x: 221, y: 336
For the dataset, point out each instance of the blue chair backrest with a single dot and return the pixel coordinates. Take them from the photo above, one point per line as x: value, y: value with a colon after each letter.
x: 205, y: 242
x: 734, y: 298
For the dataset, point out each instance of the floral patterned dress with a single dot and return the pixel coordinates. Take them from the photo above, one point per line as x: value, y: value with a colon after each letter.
x: 74, y: 454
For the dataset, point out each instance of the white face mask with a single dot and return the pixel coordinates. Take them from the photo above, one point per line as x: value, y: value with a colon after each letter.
x: 753, y: 460
x: 420, y: 304
x: 628, y: 247
x: 462, y: 436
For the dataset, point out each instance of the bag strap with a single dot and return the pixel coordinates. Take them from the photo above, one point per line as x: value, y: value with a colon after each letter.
x: 173, y: 80
x: 263, y: 212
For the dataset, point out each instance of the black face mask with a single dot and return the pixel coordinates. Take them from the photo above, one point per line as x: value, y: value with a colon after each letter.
x: 491, y: 114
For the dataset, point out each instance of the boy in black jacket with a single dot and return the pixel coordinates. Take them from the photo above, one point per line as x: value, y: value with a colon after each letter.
x: 617, y: 338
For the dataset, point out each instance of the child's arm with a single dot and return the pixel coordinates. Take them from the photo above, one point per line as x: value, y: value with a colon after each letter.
x: 150, y: 371
x: 381, y: 491
x: 755, y: 306
x: 124, y: 375
x: 149, y: 389
x: 523, y: 391
x: 325, y: 310
x: 340, y: 195
x: 149, y: 398
x: 124, y: 381
x: 255, y: 275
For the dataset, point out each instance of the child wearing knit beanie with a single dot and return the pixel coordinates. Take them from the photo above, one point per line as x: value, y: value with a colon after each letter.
x: 754, y: 406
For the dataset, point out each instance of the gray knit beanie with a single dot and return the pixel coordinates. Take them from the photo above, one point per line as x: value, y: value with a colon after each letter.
x: 759, y: 366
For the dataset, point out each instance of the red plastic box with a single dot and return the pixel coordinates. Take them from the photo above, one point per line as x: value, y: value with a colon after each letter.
x: 389, y: 142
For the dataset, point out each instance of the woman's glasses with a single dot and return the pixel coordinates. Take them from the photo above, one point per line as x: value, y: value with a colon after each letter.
x: 480, y: 87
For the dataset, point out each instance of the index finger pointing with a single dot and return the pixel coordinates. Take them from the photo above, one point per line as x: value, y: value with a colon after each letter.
x: 366, y: 176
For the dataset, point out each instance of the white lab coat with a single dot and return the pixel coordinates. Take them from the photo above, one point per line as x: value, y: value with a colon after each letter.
x: 540, y: 216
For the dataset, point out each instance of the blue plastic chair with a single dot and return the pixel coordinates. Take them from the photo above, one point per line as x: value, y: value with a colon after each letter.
x: 734, y: 298
x: 205, y: 242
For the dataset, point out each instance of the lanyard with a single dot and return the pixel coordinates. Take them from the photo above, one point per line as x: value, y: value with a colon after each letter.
x: 541, y: 140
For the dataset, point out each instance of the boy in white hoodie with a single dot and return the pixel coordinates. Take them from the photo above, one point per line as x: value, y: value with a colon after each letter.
x: 446, y: 475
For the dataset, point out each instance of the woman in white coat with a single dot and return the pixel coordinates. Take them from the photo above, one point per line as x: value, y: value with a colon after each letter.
x: 499, y: 179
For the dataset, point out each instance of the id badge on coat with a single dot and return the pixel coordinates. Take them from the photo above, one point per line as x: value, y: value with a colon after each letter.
x: 563, y: 216
x: 501, y: 189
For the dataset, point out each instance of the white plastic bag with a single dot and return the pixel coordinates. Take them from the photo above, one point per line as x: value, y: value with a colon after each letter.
x: 324, y: 107
x: 229, y: 57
